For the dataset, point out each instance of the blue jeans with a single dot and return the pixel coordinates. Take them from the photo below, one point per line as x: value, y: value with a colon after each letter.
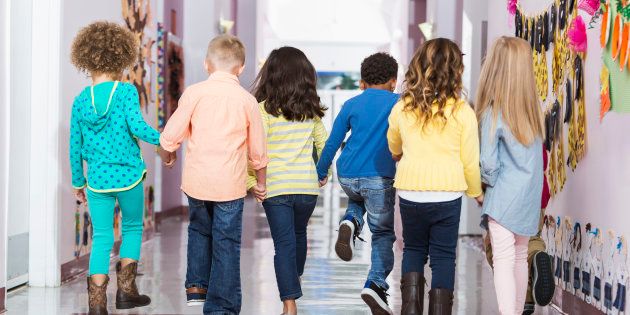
x: 288, y: 216
x: 376, y: 196
x: 214, y: 253
x: 431, y: 230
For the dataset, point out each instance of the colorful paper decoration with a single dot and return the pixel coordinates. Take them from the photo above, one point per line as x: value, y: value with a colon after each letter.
x: 137, y: 15
x: 577, y: 35
x: 604, y: 79
x: 159, y: 87
x: 616, y: 50
x: 589, y: 6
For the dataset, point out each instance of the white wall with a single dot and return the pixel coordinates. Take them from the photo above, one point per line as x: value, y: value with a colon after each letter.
x: 4, y: 137
x: 19, y: 146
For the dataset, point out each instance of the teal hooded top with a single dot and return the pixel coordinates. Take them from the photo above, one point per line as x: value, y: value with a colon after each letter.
x: 105, y: 126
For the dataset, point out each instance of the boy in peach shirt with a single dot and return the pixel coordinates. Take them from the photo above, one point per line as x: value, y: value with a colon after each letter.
x: 222, y: 123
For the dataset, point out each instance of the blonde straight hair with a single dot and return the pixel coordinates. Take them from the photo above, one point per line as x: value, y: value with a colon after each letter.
x: 507, y: 86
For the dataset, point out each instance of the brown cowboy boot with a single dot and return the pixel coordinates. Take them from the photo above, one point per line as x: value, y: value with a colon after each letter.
x: 97, y: 297
x: 412, y: 289
x: 440, y: 302
x: 127, y: 295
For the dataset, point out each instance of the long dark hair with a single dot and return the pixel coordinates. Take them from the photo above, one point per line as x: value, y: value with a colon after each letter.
x: 287, y: 83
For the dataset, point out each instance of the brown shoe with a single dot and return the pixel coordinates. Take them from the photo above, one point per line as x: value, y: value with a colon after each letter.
x: 196, y: 296
x: 412, y: 289
x: 97, y: 297
x: 440, y: 302
x: 127, y: 295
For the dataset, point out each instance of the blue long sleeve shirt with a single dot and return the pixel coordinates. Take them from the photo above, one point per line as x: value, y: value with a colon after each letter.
x: 366, y: 153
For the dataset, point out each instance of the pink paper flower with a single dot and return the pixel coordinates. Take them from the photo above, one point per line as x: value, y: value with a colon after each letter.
x: 511, y: 6
x: 589, y: 6
x: 577, y: 35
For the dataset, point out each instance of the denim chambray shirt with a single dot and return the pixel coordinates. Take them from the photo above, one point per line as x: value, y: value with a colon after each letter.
x: 514, y: 175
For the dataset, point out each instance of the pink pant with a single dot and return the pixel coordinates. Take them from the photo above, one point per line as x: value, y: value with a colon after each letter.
x: 510, y: 268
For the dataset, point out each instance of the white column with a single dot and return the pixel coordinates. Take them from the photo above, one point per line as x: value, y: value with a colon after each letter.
x: 4, y: 135
x: 44, y: 268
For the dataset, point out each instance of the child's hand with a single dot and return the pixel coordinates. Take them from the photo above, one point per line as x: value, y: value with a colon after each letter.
x: 480, y: 199
x: 322, y: 182
x: 80, y: 195
x: 168, y: 158
x: 259, y: 191
x: 397, y: 158
x: 172, y: 158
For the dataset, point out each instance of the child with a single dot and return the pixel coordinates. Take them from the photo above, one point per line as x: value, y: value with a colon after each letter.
x: 433, y: 131
x: 511, y: 163
x: 366, y: 171
x: 223, y: 126
x: 105, y: 125
x: 540, y: 284
x: 291, y: 113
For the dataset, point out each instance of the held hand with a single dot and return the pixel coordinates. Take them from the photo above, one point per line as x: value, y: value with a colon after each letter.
x: 259, y: 191
x: 480, y: 199
x: 80, y: 195
x: 323, y: 182
x: 396, y: 158
x: 172, y: 158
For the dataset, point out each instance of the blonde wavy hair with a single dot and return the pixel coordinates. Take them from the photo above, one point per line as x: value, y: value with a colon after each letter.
x: 434, y: 77
x: 507, y: 86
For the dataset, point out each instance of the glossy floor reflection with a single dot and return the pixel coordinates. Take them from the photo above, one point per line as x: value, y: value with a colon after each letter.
x: 330, y: 286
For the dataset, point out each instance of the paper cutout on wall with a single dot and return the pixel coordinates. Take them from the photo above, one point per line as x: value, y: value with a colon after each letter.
x: 137, y: 15
x: 159, y: 90
x: 82, y: 229
x: 174, y: 77
x: 615, y: 40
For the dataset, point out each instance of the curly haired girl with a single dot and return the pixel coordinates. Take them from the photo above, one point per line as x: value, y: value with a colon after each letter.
x: 105, y: 125
x: 433, y: 132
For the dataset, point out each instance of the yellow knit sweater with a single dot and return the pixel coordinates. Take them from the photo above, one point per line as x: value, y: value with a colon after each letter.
x: 436, y: 158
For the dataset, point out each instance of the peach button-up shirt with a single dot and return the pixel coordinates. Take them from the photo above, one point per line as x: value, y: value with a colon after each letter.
x: 222, y: 123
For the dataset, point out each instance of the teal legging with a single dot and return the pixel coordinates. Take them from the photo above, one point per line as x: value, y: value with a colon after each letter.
x: 102, y: 210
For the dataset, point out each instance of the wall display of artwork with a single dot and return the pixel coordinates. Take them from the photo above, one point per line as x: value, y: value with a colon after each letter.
x: 149, y: 215
x: 174, y: 75
x: 615, y: 43
x: 587, y: 263
x: 137, y: 15
x: 160, y: 71
x: 557, y: 35
x: 83, y: 230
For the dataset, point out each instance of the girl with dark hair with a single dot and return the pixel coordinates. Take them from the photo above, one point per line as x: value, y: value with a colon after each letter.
x: 291, y: 112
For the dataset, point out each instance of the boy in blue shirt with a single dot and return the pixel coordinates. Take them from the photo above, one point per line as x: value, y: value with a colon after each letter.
x: 366, y: 171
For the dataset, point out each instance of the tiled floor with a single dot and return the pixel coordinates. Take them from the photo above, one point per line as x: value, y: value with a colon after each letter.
x: 330, y: 285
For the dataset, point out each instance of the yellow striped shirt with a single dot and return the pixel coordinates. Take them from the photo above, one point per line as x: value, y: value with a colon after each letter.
x: 291, y: 168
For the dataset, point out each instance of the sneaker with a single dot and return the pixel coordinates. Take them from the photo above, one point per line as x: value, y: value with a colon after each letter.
x: 195, y: 296
x: 542, y: 277
x: 346, y: 237
x: 529, y: 308
x: 376, y: 298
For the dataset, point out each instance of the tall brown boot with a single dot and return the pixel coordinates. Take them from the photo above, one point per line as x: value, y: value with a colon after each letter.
x: 412, y: 289
x: 97, y: 297
x: 440, y: 302
x: 127, y: 295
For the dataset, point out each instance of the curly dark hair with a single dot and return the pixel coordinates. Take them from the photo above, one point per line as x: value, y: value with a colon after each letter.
x: 378, y: 68
x: 287, y: 83
x: 104, y: 47
x: 434, y: 76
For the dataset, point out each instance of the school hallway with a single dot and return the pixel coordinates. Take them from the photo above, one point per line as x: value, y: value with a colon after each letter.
x: 330, y: 286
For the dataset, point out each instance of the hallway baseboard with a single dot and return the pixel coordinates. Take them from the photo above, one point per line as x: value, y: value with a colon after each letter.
x: 171, y: 212
x: 76, y: 267
x: 571, y: 304
x: 2, y: 299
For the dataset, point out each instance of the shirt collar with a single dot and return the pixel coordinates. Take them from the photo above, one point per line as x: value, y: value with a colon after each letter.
x: 223, y: 76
